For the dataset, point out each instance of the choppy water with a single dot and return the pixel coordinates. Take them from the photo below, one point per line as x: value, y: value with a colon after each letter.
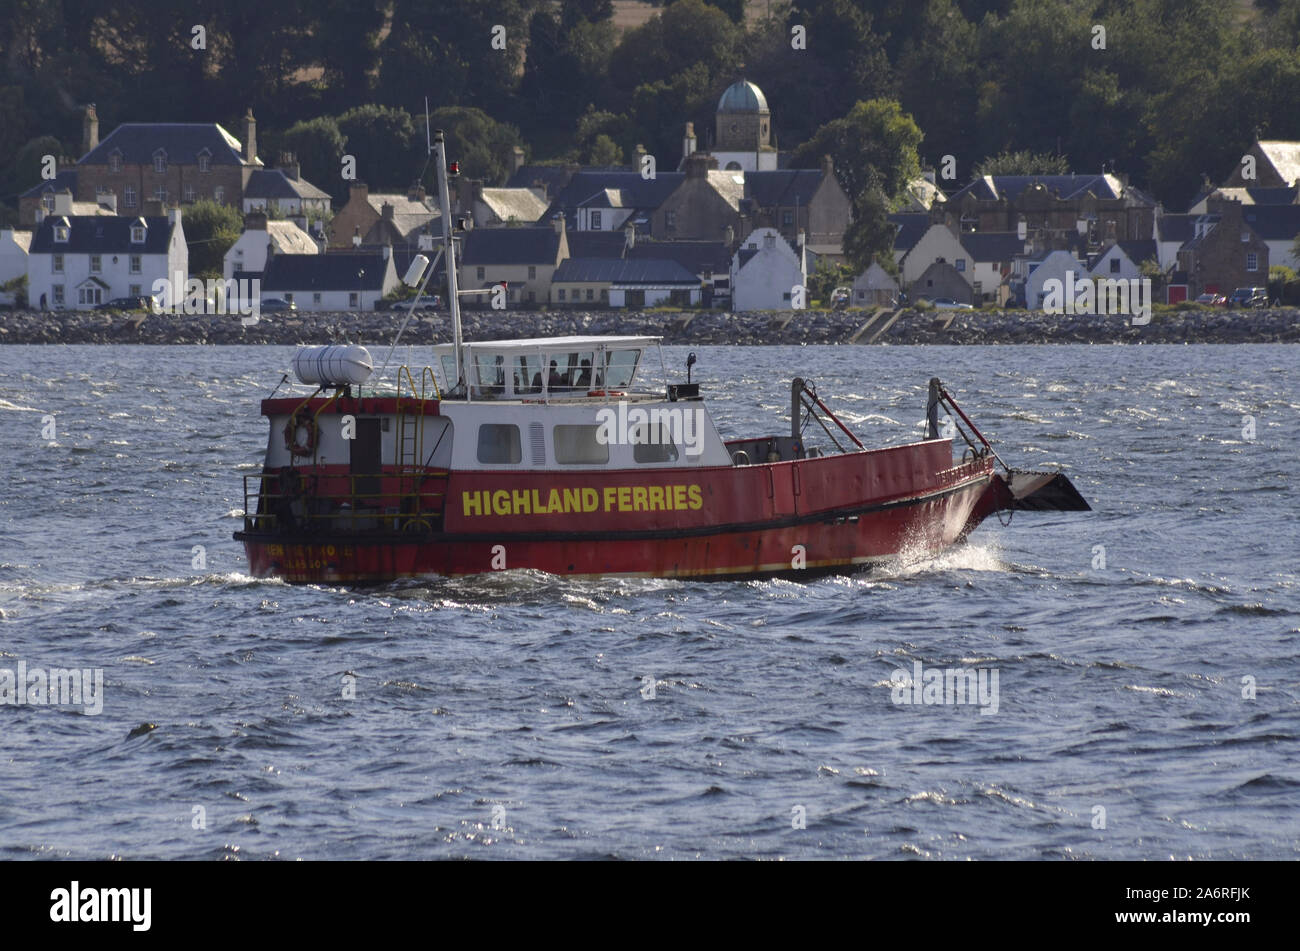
x: 520, y: 697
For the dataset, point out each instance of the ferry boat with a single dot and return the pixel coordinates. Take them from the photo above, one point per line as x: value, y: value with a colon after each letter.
x: 563, y: 455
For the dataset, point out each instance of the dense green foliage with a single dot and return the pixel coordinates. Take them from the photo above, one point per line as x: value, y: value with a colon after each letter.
x: 1179, y: 90
x: 210, y: 230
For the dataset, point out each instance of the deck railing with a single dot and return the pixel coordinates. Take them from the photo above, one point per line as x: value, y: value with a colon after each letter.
x: 409, y: 499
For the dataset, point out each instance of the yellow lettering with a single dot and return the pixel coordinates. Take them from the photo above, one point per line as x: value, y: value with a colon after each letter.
x: 610, y: 493
x: 697, y: 500
x: 679, y: 496
x: 656, y: 498
x: 638, y: 498
x: 624, y: 498
x: 470, y: 503
x: 520, y: 499
x: 589, y: 500
x: 500, y: 502
x: 538, y: 509
x: 572, y: 501
x: 556, y: 503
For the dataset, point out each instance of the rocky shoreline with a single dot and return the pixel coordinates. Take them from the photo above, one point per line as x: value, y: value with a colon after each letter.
x: 711, y: 327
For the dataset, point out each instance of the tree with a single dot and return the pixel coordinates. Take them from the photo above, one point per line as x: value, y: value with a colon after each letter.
x: 210, y: 230
x: 319, y: 146
x: 383, y: 141
x: 482, y: 145
x: 871, y: 235
x: 1023, y: 162
x: 873, y: 147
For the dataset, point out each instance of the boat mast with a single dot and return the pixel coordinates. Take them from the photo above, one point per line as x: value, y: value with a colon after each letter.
x: 449, y: 251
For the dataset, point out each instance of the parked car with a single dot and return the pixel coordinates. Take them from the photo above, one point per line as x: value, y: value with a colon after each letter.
x: 1248, y: 297
x: 426, y: 303
x: 134, y: 302
x: 947, y: 303
x: 272, y: 304
x: 1212, y: 299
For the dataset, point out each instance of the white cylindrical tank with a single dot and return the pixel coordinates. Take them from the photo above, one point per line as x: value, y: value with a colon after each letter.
x: 332, y: 366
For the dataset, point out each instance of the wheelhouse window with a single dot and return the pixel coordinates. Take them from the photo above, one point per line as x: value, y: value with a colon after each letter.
x: 621, y: 367
x: 498, y: 444
x: 653, y: 444
x: 579, y: 445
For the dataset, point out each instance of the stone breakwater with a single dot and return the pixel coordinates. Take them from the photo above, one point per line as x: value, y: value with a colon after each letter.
x: 798, y: 327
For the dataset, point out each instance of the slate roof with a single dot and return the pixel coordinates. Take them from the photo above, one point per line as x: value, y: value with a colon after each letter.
x: 910, y: 228
x: 554, y: 177
x: 101, y: 234
x: 615, y: 271
x: 536, y: 245
x: 993, y: 246
x: 596, y: 244
x: 408, y: 215
x: 1140, y: 250
x: 272, y: 184
x: 1067, y: 187
x: 63, y: 179
x: 288, y: 238
x: 784, y: 187
x: 519, y: 204
x: 698, y: 257
x: 336, y: 271
x: 182, y: 141
x: 1178, y: 228
x: 1284, y: 157
x: 636, y: 192
x: 1273, y: 222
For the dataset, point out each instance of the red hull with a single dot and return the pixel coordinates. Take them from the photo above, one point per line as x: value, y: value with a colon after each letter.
x: 823, y: 514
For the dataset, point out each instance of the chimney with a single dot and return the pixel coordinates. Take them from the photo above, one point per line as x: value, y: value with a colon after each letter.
x: 699, y: 164
x: 151, y: 208
x: 358, y: 192
x: 688, y: 141
x: 289, y: 166
x: 516, y: 159
x: 250, y: 138
x: 557, y: 222
x: 415, y: 192
x: 386, y: 211
x: 356, y: 237
x: 1022, y: 228
x: 89, y: 130
x: 255, y: 221
x: 63, y: 202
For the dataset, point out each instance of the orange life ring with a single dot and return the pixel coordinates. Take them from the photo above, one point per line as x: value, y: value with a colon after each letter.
x: 303, y: 419
x: 606, y: 393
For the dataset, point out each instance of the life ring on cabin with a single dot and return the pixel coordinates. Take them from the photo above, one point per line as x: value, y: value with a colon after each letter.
x: 302, y: 419
x: 606, y: 393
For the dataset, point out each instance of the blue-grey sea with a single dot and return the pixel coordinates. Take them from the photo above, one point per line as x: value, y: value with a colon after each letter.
x: 1147, y: 653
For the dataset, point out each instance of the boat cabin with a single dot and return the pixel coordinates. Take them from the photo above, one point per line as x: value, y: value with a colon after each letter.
x: 552, y: 368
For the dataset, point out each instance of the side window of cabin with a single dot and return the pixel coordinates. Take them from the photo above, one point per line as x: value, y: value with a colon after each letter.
x: 622, y: 367
x: 653, y: 443
x: 498, y: 444
x: 579, y: 445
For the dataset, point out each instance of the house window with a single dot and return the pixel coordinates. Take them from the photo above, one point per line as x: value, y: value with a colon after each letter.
x: 219, y: 194
x: 532, y: 297
x: 1114, y: 265
x: 354, y: 299
x: 115, y: 162
x: 205, y: 162
x: 160, y: 161
x: 960, y: 264
x: 595, y: 221
x: 136, y: 290
x: 1252, y: 261
x: 591, y: 294
x: 89, y: 295
x: 48, y: 201
x: 787, y: 219
x: 96, y: 264
x: 58, y: 295
x: 61, y: 234
x: 480, y: 272
x: 498, y: 444
x: 136, y: 263
x: 137, y: 234
x: 128, y: 196
x: 315, y: 297
x: 532, y: 272
x: 560, y: 294
x: 58, y: 264
x: 160, y: 194
x: 189, y: 193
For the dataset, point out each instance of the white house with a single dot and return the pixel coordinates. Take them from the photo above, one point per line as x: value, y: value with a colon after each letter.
x: 13, y: 254
x: 262, y: 237
x: 874, y: 287
x: 940, y: 243
x: 78, y: 261
x: 1116, y: 263
x: 1050, y: 265
x: 337, y: 281
x: 765, y: 271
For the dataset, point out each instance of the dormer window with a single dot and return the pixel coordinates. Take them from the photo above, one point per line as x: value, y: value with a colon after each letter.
x: 115, y: 161
x: 160, y: 161
x: 138, y: 233
x: 61, y: 233
x: 205, y: 161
